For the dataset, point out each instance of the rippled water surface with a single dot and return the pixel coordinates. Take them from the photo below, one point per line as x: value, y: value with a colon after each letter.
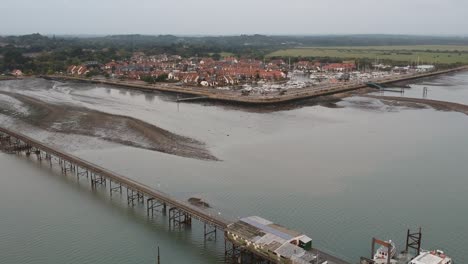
x: 341, y: 175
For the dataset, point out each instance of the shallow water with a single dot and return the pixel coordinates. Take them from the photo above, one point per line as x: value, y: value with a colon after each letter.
x: 340, y: 175
x: 451, y: 87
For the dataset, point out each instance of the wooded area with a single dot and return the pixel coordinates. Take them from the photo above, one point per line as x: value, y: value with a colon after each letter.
x: 38, y: 54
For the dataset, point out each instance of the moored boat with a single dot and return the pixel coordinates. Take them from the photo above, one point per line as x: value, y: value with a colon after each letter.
x: 382, y: 254
x: 432, y: 257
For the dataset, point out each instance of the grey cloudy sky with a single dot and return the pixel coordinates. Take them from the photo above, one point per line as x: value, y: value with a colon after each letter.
x: 226, y: 17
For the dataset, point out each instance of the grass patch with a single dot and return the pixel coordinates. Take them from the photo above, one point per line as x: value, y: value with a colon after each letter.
x: 433, y: 54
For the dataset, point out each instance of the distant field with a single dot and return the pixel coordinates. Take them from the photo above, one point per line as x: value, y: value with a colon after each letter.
x: 426, y: 53
x: 415, y: 47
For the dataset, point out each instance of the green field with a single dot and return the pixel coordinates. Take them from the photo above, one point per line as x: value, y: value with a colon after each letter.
x: 426, y: 53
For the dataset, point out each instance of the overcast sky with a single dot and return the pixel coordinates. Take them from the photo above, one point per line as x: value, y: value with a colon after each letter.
x: 227, y: 17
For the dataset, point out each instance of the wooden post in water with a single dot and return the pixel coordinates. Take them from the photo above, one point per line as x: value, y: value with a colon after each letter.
x: 159, y: 258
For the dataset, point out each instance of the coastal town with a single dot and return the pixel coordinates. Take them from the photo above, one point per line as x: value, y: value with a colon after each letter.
x: 246, y: 80
x: 231, y: 73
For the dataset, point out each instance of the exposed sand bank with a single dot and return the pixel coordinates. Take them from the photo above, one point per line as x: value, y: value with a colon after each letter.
x: 114, y: 128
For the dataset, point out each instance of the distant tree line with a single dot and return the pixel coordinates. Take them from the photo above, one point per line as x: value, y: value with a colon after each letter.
x: 40, y: 54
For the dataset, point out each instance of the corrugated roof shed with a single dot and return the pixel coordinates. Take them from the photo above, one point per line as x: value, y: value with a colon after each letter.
x: 272, y: 237
x: 245, y: 230
x: 268, y: 238
x: 427, y: 258
x: 270, y: 228
x: 288, y: 250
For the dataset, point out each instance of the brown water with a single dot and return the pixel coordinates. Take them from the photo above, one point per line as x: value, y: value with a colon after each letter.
x: 340, y: 175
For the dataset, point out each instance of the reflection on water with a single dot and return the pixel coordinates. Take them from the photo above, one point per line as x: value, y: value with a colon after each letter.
x: 341, y: 175
x: 49, y: 218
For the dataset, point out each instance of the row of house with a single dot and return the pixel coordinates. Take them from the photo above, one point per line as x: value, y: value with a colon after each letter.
x: 206, y: 71
x: 191, y: 71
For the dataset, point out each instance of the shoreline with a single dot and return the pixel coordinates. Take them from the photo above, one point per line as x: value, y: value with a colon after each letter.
x: 203, y: 93
x: 10, y: 78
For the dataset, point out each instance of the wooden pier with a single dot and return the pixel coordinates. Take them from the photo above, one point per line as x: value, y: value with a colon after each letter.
x: 180, y: 214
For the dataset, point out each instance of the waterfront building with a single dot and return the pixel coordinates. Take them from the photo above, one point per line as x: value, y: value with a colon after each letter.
x: 271, y: 240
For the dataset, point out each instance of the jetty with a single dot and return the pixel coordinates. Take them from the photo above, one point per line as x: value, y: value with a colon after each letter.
x: 279, y: 244
x: 436, y: 104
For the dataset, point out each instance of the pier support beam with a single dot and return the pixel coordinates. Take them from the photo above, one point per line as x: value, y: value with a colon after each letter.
x: 154, y: 205
x: 82, y: 173
x: 238, y: 254
x: 5, y: 138
x: 133, y: 196
x: 179, y: 218
x: 209, y: 232
x: 232, y: 253
x: 16, y: 146
x: 97, y: 180
x: 117, y: 188
x: 38, y: 154
x: 66, y: 166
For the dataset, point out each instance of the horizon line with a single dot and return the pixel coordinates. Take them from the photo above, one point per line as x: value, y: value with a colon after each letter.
x: 236, y: 34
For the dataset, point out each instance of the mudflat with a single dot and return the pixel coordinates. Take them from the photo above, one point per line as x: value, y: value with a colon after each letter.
x: 114, y: 128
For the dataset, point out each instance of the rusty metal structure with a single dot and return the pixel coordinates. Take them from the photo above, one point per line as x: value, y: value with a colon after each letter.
x: 413, y: 241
